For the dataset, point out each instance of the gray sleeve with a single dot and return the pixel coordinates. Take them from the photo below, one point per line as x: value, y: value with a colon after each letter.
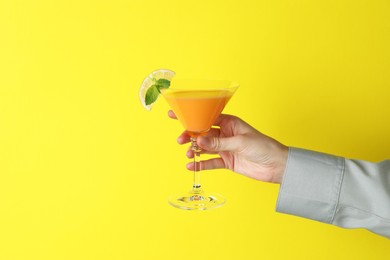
x: 334, y: 190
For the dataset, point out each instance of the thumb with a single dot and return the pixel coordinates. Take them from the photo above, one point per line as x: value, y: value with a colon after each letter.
x: 220, y: 144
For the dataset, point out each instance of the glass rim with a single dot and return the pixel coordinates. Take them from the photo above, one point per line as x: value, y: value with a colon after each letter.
x: 202, y: 85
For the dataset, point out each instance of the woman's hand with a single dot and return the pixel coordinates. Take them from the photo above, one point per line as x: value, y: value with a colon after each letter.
x: 241, y: 148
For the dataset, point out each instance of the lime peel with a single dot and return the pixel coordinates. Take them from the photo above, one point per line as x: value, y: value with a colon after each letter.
x: 152, y: 85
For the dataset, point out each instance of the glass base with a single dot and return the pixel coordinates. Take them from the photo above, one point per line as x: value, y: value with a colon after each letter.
x: 197, y: 200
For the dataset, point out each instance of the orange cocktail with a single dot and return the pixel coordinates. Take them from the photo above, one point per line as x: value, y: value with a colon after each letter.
x: 197, y: 110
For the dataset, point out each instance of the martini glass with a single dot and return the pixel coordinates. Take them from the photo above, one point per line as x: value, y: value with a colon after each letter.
x: 197, y: 104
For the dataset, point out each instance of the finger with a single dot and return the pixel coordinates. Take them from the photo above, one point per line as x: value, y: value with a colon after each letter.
x: 214, y: 132
x: 220, y: 144
x: 234, y: 123
x: 223, y: 118
x: 215, y: 163
x: 190, y: 153
x: 184, y: 138
x: 171, y: 114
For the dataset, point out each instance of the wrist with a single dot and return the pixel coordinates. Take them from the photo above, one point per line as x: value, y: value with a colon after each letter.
x: 280, y: 165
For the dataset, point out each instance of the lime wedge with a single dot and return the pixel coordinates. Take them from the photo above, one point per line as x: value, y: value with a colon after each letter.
x: 151, y: 86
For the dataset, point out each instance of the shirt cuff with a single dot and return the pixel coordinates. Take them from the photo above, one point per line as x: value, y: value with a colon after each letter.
x: 311, y: 185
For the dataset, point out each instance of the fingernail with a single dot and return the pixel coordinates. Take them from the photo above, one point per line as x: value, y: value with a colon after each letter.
x: 188, y: 165
x: 203, y: 140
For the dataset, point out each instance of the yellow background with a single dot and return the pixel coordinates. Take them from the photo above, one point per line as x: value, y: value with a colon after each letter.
x: 85, y: 171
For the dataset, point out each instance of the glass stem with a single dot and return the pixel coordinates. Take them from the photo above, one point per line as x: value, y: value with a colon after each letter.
x: 196, y: 187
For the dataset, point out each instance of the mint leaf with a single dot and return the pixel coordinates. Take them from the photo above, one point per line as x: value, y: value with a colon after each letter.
x: 163, y: 83
x: 154, y: 91
x: 151, y: 95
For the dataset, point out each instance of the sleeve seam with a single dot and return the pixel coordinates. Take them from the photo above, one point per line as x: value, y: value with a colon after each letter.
x: 338, y: 190
x: 366, y: 212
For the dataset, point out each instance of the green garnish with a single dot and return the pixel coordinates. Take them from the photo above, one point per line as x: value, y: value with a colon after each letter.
x: 155, y: 90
